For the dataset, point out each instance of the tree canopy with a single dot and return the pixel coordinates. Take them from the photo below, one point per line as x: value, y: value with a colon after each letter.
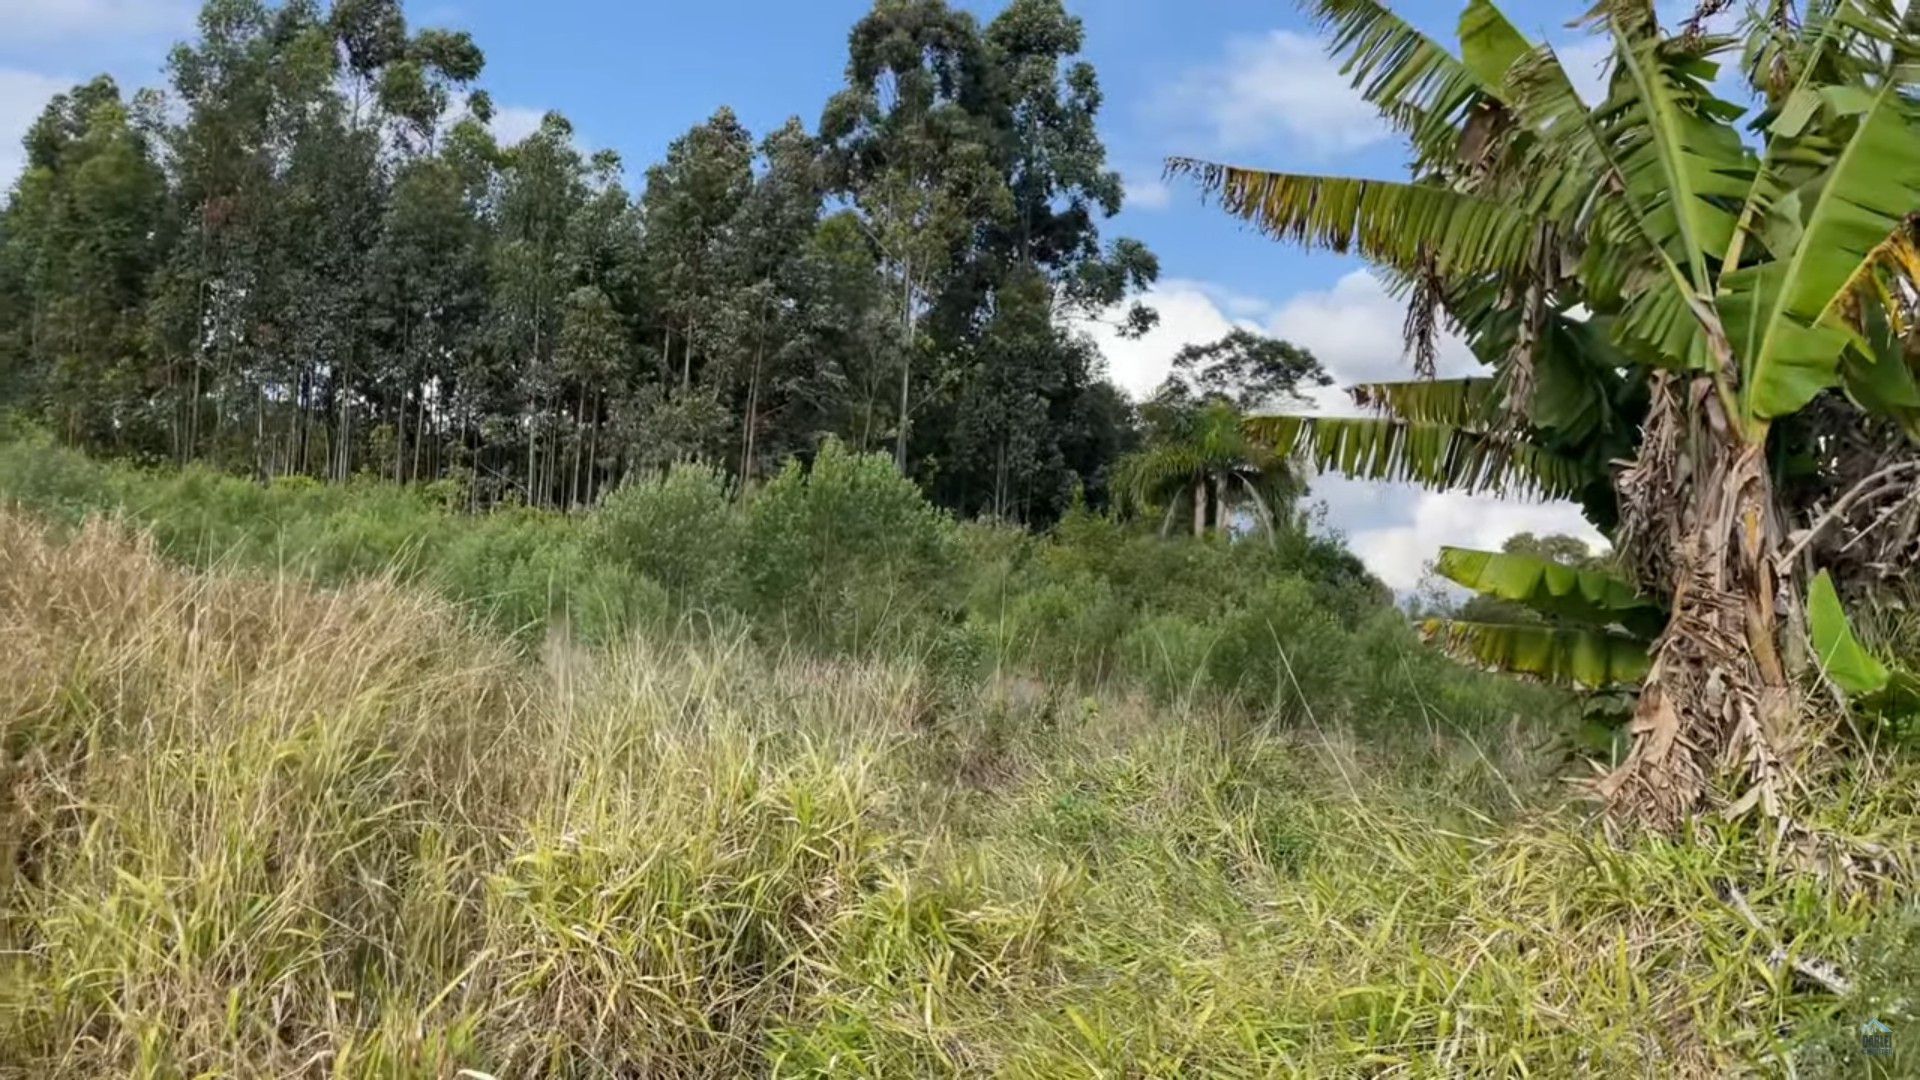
x: 310, y: 255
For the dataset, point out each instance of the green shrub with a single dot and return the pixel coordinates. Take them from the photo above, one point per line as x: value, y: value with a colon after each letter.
x: 1283, y: 652
x: 848, y: 552
x: 679, y: 530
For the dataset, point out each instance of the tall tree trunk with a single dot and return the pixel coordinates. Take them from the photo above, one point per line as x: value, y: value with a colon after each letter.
x: 574, y: 491
x: 419, y: 430
x: 593, y: 445
x: 1718, y: 699
x: 906, y: 360
x: 533, y: 441
x: 753, y: 398
x: 1200, y: 508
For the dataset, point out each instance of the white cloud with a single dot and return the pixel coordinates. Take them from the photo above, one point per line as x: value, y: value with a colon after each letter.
x: 1397, y: 529
x: 1272, y: 91
x: 1189, y: 313
x: 65, y: 20
x: 1146, y: 192
x: 512, y: 123
x: 1354, y: 330
x: 23, y: 96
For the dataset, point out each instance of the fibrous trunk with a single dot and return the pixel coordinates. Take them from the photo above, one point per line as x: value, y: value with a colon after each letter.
x: 1699, y: 517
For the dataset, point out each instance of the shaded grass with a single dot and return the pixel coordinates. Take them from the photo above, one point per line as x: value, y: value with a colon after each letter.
x: 257, y: 829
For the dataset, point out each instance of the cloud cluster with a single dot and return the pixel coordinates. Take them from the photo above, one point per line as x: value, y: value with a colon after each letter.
x: 1146, y: 191
x: 1268, y: 90
x: 23, y: 96
x: 512, y: 123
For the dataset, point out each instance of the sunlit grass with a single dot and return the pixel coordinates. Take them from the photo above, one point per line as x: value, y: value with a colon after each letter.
x: 255, y: 829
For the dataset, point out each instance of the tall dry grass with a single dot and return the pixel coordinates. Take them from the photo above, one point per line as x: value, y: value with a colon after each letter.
x: 255, y: 829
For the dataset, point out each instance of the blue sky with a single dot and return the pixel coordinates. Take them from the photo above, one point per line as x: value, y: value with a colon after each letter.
x: 1222, y: 79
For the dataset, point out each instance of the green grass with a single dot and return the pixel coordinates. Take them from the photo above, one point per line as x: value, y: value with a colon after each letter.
x: 254, y: 828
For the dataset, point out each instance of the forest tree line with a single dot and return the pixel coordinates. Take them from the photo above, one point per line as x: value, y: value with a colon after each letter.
x: 310, y: 255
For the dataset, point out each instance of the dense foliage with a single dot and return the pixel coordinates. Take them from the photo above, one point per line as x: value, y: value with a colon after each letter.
x: 843, y: 558
x: 311, y: 257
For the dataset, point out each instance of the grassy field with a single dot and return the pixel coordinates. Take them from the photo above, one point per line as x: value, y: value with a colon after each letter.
x: 257, y: 828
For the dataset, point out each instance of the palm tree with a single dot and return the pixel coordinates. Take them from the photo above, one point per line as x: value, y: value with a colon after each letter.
x: 1700, y: 336
x: 1207, y: 462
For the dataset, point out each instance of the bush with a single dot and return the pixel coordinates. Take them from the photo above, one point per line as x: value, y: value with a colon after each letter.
x: 679, y: 530
x: 848, y: 553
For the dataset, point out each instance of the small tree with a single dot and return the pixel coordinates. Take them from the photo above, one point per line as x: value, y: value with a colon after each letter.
x: 1198, y: 453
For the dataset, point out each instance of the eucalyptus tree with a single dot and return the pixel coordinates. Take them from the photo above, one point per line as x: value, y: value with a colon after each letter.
x: 542, y: 186
x: 1719, y: 315
x: 79, y: 239
x: 1046, y: 103
x: 245, y: 85
x: 911, y: 144
x: 602, y: 362
x: 691, y: 200
x: 763, y: 332
x: 997, y: 431
x: 429, y: 280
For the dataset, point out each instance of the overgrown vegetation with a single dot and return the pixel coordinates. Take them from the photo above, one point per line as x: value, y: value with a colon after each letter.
x: 252, y: 827
x: 844, y: 558
x: 520, y: 628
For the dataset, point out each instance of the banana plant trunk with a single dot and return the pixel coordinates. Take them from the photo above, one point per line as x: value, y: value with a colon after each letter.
x: 1718, y: 703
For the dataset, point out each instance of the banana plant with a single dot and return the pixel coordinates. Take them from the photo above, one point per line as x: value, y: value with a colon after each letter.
x: 1662, y: 306
x: 1594, y: 632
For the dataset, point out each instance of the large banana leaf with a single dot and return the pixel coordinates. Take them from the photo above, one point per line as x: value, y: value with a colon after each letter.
x: 1469, y: 402
x: 1438, y: 456
x: 1877, y: 372
x: 1684, y: 166
x: 1411, y: 227
x: 1779, y: 313
x: 1575, y: 657
x: 1490, y: 46
x: 1589, y: 596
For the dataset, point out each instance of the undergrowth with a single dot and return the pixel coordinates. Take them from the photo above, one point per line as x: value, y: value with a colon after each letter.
x: 841, y: 559
x: 257, y: 828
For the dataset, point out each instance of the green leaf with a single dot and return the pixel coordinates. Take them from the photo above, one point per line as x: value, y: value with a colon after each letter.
x: 1793, y: 116
x: 1489, y: 44
x: 1394, y: 224
x: 1777, y: 314
x: 1840, y: 654
x: 1468, y: 402
x: 1569, y: 657
x: 1438, y: 456
x: 1875, y: 371
x: 1683, y: 164
x: 1590, y: 596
